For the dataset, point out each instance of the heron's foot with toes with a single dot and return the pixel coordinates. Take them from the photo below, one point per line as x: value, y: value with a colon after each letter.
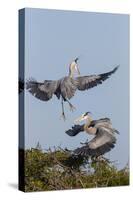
x: 72, y: 108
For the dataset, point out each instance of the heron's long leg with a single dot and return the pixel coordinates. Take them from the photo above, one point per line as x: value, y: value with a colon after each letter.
x: 63, y: 113
x: 72, y: 108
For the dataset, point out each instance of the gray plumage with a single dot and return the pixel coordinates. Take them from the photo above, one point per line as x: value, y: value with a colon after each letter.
x: 103, y: 141
x: 65, y: 87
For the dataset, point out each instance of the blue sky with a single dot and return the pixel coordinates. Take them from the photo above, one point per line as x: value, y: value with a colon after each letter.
x: 52, y: 40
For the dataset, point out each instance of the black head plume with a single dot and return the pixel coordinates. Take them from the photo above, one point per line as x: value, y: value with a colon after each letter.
x: 76, y: 60
x: 87, y: 113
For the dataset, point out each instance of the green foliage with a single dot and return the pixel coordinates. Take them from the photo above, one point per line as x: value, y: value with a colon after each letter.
x: 59, y: 170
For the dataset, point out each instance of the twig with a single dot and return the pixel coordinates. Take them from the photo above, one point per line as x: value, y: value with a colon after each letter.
x: 81, y: 183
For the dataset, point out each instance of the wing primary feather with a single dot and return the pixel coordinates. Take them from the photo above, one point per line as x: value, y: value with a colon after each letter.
x: 75, y: 130
x: 102, y: 143
x: 44, y: 90
x: 87, y: 82
x: 104, y: 76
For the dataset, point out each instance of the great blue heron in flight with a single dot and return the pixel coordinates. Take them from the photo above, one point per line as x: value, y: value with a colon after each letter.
x: 66, y: 86
x: 20, y: 85
x: 103, y: 131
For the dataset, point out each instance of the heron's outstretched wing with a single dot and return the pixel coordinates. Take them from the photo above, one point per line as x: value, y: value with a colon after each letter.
x: 21, y: 85
x: 42, y: 91
x: 75, y: 130
x: 86, y: 82
x: 103, y: 142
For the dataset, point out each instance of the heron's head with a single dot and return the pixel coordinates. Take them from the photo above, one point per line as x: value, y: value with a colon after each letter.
x: 74, y: 67
x: 83, y: 117
x: 76, y: 60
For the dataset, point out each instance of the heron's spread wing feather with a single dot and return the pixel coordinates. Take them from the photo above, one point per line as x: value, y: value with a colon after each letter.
x: 102, y: 143
x: 86, y: 82
x: 42, y: 91
x: 75, y: 130
x: 104, y: 135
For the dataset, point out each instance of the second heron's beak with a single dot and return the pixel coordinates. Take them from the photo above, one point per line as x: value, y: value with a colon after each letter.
x: 81, y: 118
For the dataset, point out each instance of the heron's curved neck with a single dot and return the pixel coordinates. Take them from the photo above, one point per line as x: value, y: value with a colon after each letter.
x: 88, y: 121
x: 71, y: 74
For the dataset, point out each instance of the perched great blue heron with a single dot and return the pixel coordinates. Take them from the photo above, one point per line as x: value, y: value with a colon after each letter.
x: 66, y: 86
x: 103, y: 131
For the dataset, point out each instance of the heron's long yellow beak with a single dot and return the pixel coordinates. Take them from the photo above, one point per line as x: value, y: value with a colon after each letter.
x: 84, y: 116
x: 79, y: 119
